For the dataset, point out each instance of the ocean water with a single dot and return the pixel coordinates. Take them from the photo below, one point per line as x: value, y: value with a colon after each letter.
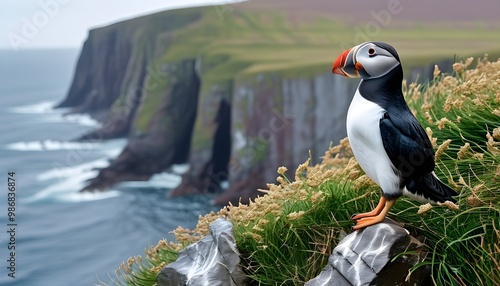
x: 63, y: 237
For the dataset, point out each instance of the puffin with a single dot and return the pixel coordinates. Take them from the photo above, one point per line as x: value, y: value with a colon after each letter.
x: 387, y: 140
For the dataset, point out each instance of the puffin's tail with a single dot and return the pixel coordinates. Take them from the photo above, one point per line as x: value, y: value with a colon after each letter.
x: 431, y: 188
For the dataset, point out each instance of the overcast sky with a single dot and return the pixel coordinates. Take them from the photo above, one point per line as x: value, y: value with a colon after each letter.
x: 64, y: 23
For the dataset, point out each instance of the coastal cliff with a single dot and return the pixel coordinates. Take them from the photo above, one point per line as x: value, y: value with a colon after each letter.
x: 234, y: 91
x: 115, y: 69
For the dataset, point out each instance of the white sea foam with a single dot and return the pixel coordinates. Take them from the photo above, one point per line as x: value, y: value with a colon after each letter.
x: 66, y: 191
x: 180, y: 169
x: 55, y: 115
x: 51, y: 145
x: 70, y: 171
x: 64, y: 182
x: 68, y: 181
x: 37, y: 108
x: 81, y: 119
x: 158, y: 181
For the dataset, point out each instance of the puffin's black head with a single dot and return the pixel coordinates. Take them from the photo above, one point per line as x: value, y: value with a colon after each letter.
x: 367, y: 60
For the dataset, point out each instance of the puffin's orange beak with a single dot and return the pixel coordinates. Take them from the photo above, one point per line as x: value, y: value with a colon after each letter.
x: 346, y: 64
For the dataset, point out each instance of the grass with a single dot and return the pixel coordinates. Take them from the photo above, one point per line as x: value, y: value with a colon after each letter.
x: 286, y: 235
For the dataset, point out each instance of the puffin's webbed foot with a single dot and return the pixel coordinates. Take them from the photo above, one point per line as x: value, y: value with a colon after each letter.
x: 374, y: 212
x: 377, y: 215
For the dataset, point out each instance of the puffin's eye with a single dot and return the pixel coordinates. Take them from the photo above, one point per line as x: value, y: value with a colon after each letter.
x: 371, y: 52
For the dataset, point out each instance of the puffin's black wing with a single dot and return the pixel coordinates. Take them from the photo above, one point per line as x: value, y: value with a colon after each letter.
x: 410, y: 150
x: 407, y: 144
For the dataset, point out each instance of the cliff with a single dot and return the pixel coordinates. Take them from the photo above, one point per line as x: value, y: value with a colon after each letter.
x: 115, y: 69
x: 235, y: 91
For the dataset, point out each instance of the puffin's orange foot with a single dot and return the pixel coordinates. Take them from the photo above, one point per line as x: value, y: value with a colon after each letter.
x: 367, y: 221
x: 365, y: 215
x: 374, y: 212
x: 381, y: 211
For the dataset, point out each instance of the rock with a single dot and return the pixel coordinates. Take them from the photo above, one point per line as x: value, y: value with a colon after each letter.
x: 364, y: 258
x: 214, y: 260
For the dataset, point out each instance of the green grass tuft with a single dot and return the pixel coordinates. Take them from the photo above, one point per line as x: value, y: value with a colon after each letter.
x: 294, y: 246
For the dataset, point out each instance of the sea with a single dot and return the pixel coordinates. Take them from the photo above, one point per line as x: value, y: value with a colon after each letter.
x: 50, y: 233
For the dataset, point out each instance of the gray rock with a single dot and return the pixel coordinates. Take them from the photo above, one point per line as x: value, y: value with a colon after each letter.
x: 364, y: 258
x: 214, y: 260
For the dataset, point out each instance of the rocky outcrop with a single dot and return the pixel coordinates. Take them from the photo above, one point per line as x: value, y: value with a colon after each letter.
x: 381, y: 254
x: 372, y: 256
x: 214, y: 260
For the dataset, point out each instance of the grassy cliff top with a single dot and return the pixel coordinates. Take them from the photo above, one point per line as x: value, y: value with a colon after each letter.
x: 299, y: 37
x: 287, y: 36
x: 311, y: 212
x: 302, y: 39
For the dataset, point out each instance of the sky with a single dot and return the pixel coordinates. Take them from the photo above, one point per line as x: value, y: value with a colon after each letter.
x: 32, y: 24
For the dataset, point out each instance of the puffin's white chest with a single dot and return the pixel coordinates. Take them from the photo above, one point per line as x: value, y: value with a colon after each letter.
x: 363, y: 130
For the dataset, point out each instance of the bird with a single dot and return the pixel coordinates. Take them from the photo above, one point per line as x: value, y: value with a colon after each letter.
x: 387, y: 140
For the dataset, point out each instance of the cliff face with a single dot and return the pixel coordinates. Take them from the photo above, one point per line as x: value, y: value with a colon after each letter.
x: 235, y: 91
x: 263, y: 122
x: 280, y: 121
x: 167, y: 136
x: 89, y: 91
x: 114, y: 65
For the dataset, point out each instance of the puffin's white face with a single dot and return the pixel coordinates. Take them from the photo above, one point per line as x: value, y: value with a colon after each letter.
x: 367, y: 60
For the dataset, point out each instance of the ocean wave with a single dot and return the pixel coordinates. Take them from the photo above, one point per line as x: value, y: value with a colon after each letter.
x: 55, y: 115
x: 88, y: 197
x: 51, y: 145
x: 180, y: 169
x: 81, y: 119
x: 159, y: 181
x: 66, y: 172
x: 37, y: 108
x: 67, y: 183
x: 60, y: 193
